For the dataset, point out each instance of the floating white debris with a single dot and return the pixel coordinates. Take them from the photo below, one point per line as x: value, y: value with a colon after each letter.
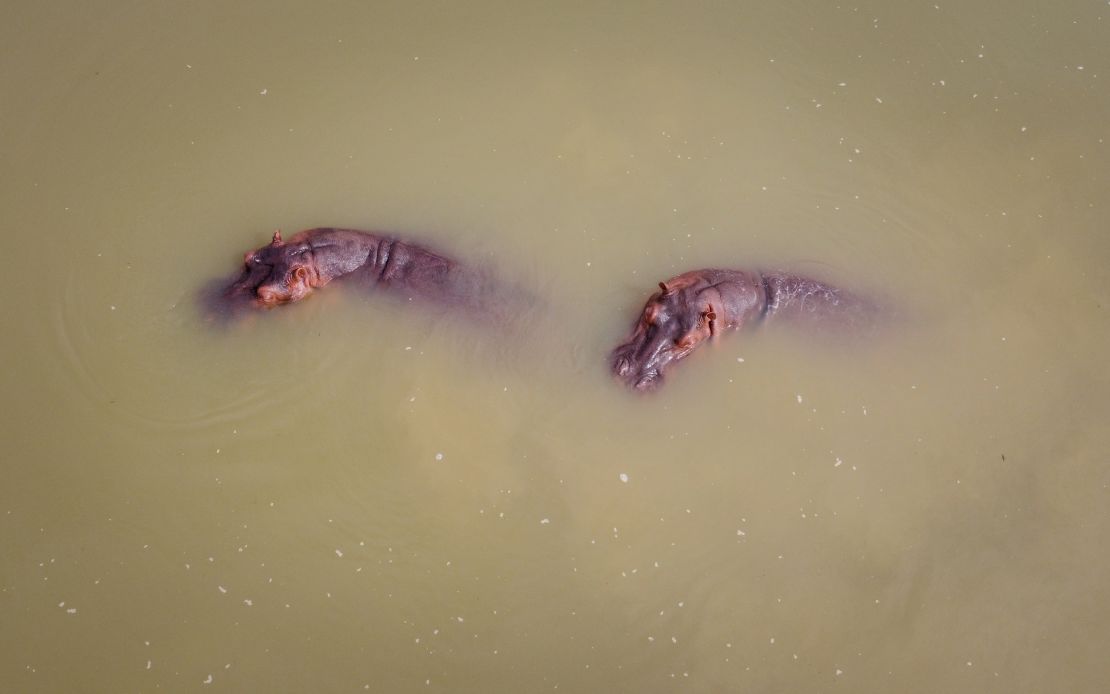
x: 545, y: 521
x: 222, y: 589
x: 839, y: 672
x: 339, y: 553
x: 207, y: 681
x: 623, y: 477
x: 263, y: 92
x: 439, y: 456
x: 838, y: 462
x: 799, y: 396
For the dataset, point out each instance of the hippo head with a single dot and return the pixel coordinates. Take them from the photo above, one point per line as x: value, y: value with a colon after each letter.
x: 277, y: 273
x: 673, y: 323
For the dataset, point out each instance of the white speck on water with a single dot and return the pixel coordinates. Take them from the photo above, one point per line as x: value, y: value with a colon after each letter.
x: 439, y: 456
x: 148, y: 663
x: 207, y: 681
x: 248, y: 602
x: 878, y: 100
x: 799, y: 398
x: 222, y: 589
x: 339, y: 553
x: 741, y: 533
x: 113, y: 307
x: 740, y: 359
x: 839, y: 672
x: 545, y: 521
x: 772, y: 639
x: 263, y: 92
x: 624, y: 477
x: 838, y: 462
x: 674, y: 639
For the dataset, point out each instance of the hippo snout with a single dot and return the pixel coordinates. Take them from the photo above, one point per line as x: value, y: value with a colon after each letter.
x: 641, y: 375
x: 648, y: 381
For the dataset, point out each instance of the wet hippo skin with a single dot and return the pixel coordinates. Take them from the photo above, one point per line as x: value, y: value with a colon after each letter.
x: 285, y: 271
x: 695, y: 307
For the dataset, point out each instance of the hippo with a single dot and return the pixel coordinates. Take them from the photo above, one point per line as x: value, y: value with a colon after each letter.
x: 286, y: 271
x: 698, y: 306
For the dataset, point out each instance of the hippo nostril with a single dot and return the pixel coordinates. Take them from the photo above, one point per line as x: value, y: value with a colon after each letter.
x: 623, y: 367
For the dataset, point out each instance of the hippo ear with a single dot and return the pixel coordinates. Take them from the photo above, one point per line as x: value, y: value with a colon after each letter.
x: 663, y: 286
x: 711, y: 318
x: 277, y: 238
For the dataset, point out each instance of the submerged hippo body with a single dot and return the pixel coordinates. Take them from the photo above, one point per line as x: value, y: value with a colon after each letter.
x: 694, y: 307
x: 285, y: 271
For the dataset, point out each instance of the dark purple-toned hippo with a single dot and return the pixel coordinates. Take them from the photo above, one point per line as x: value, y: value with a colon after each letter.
x: 698, y: 306
x: 285, y: 271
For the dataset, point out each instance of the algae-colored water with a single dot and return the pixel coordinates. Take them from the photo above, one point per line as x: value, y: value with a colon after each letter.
x: 355, y: 494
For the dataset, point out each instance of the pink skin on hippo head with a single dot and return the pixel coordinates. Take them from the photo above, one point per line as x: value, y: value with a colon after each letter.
x: 277, y: 273
x: 673, y: 323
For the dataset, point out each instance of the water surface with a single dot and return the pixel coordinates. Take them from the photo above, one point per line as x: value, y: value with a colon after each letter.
x: 353, y: 494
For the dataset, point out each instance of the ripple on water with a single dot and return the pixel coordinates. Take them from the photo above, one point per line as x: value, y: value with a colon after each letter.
x: 164, y: 368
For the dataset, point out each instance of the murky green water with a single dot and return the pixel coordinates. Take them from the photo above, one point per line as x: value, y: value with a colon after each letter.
x: 352, y: 494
